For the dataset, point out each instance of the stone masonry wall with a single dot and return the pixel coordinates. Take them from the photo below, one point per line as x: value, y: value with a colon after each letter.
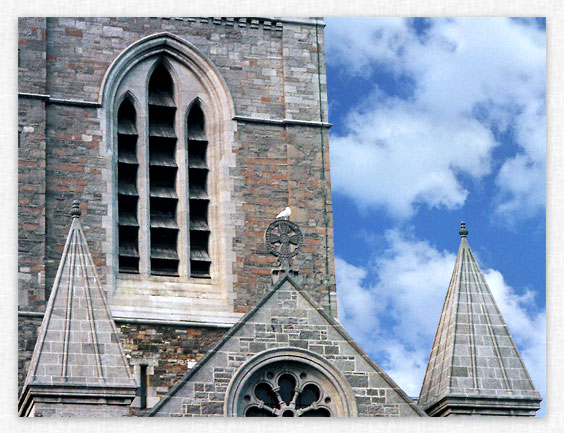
x: 27, y: 336
x: 168, y: 351
x: 32, y: 56
x: 289, y: 173
x: 31, y: 209
x: 73, y: 171
x: 79, y: 410
x: 31, y: 165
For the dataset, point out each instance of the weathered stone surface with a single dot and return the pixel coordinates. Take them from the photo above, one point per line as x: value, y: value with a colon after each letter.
x: 27, y: 333
x: 31, y: 210
x: 169, y: 351
x: 375, y: 393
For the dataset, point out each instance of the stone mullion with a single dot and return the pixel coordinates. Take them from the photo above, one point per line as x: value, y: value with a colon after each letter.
x: 144, y: 208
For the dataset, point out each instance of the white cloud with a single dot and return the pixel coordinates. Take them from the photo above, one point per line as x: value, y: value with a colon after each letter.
x: 398, y: 154
x: 398, y: 157
x: 413, y: 279
x: 406, y: 367
x: 358, y: 44
x: 522, y: 185
x: 392, y: 305
x: 357, y: 305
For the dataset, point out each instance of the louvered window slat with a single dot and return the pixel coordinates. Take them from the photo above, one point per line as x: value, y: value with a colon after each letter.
x: 128, y: 197
x: 128, y: 220
x: 198, y: 194
x: 162, y: 174
x: 198, y: 225
x: 199, y: 255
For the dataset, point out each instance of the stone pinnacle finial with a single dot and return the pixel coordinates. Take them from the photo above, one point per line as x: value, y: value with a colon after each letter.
x: 463, y: 232
x: 76, y: 212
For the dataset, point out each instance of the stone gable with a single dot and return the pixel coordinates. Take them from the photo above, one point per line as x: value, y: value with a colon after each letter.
x: 285, y: 319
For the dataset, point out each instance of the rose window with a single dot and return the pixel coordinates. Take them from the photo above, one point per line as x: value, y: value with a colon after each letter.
x: 288, y: 390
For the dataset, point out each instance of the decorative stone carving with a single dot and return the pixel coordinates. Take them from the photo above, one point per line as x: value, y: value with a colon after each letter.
x: 283, y: 239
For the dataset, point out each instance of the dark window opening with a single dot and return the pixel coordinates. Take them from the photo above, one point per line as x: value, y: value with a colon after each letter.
x: 128, y: 196
x: 286, y: 396
x: 150, y: 183
x: 143, y: 386
x: 308, y: 396
x: 162, y: 174
x: 199, y: 200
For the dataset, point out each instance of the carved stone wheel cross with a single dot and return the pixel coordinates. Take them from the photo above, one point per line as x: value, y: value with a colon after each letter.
x: 283, y: 240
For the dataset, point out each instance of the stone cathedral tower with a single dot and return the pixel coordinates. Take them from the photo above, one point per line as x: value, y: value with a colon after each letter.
x: 182, y: 138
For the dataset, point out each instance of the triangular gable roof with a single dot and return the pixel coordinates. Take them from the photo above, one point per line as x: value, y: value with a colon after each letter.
x: 78, y: 343
x: 473, y: 355
x: 284, y: 281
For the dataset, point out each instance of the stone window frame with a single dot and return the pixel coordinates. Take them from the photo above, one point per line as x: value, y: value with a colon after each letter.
x: 218, y: 108
x: 343, y: 400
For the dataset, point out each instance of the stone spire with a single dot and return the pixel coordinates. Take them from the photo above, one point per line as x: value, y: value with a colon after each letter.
x: 475, y: 367
x: 78, y: 366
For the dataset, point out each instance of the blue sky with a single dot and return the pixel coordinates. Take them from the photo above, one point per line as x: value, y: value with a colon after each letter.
x: 437, y: 121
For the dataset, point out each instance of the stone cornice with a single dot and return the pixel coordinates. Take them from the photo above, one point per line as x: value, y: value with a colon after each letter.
x: 176, y: 323
x: 59, y: 101
x: 282, y: 122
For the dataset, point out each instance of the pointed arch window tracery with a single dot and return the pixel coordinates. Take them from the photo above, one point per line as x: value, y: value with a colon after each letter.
x: 162, y: 170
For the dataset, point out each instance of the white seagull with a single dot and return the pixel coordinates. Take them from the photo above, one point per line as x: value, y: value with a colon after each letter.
x: 285, y: 213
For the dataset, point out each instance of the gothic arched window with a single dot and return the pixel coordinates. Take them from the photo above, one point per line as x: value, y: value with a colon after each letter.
x: 199, y: 199
x: 163, y: 198
x: 169, y: 156
x: 162, y: 171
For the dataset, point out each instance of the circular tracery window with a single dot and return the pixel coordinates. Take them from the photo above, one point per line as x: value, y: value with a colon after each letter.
x: 289, y: 389
x: 289, y: 382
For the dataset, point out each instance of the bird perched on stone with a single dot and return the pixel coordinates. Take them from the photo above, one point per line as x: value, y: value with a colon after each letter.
x: 285, y: 213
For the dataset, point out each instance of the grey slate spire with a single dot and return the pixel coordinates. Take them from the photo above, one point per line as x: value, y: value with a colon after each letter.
x: 474, y: 367
x: 78, y: 366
